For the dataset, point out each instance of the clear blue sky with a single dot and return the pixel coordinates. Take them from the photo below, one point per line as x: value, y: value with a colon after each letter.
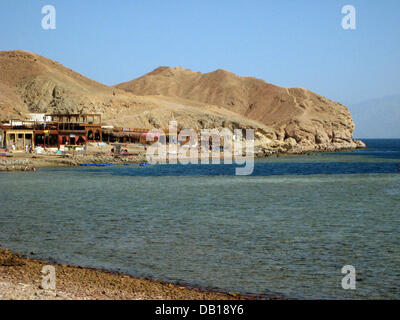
x: 292, y: 43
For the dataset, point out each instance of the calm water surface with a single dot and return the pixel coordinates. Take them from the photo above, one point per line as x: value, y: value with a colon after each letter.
x: 288, y: 229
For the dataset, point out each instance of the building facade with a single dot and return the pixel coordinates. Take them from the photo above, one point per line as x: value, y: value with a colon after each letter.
x: 50, y: 131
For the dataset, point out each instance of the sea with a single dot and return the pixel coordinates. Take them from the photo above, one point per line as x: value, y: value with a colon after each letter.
x: 287, y: 230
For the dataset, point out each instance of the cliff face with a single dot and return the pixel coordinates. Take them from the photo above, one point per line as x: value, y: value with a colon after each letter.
x: 291, y: 120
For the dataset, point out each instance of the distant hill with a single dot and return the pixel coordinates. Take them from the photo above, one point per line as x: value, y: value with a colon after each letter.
x: 377, y: 118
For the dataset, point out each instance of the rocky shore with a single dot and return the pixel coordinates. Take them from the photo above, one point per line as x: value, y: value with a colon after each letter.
x: 27, y: 162
x: 21, y: 278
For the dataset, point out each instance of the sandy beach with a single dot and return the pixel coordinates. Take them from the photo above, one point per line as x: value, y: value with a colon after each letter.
x: 21, y: 279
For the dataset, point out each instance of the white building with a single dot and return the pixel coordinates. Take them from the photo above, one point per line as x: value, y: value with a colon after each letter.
x: 39, y: 117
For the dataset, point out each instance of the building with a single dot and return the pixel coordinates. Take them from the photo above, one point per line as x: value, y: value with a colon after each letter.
x: 17, y: 135
x: 75, y: 129
x: 50, y: 131
x: 71, y: 131
x: 136, y: 135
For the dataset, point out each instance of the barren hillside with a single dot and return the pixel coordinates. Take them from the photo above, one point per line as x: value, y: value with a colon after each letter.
x: 284, y: 119
x: 33, y: 83
x: 295, y: 113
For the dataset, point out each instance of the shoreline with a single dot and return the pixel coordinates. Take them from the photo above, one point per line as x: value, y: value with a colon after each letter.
x: 26, y: 162
x: 21, y: 278
x: 30, y: 162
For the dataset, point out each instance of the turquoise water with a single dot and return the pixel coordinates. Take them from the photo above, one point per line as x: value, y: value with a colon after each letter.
x: 287, y: 229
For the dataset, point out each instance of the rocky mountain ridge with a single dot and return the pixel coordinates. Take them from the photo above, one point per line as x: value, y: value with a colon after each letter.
x: 285, y: 120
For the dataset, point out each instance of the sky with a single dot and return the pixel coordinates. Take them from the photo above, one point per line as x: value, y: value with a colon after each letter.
x: 291, y: 43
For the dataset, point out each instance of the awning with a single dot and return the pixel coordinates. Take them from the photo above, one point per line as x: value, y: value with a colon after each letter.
x: 151, y: 135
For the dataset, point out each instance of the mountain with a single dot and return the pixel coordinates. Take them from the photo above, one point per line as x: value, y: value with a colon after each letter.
x: 292, y: 120
x: 32, y: 83
x: 296, y: 113
x: 377, y: 118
